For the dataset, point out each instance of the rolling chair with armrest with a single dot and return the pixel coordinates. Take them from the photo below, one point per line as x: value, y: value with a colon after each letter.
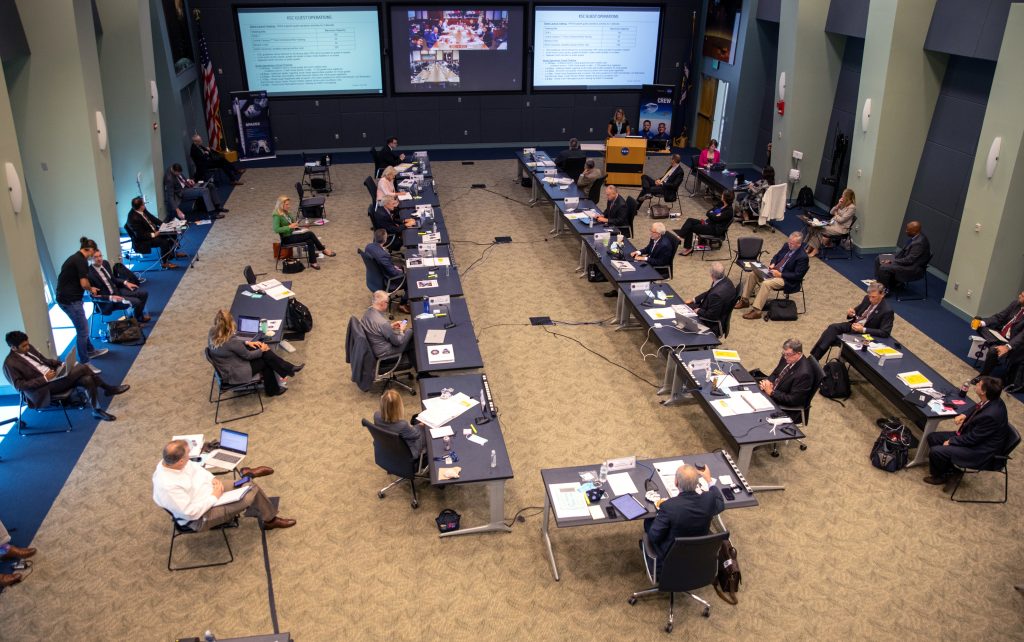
x: 748, y: 248
x: 177, y: 530
x: 594, y: 193
x: 574, y: 167
x: 901, y: 286
x: 391, y: 453
x: 235, y: 390
x: 394, y: 241
x: 367, y: 369
x: 310, y: 207
x: 377, y: 165
x: 804, y: 411
x: 375, y: 280
x: 996, y: 464
x: 667, y: 271
x: 631, y: 207
x: 725, y: 322
x: 694, y: 168
x: 690, y: 564
x: 708, y: 241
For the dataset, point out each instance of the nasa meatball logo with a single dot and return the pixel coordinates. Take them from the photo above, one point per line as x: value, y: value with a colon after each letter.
x: 624, y: 151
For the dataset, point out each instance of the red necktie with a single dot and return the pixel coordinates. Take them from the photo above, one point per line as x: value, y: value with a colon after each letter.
x: 1012, y: 322
x: 969, y: 417
x: 783, y: 261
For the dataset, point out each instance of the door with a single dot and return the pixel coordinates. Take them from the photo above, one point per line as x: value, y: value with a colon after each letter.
x: 705, y: 111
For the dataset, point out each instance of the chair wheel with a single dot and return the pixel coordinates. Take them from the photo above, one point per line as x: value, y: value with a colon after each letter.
x: 632, y: 601
x: 413, y: 393
x: 414, y: 503
x: 668, y: 628
x: 776, y: 453
x: 380, y: 494
x: 707, y: 611
x: 803, y: 446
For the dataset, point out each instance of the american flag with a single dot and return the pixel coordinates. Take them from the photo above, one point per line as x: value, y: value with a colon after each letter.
x: 211, y: 99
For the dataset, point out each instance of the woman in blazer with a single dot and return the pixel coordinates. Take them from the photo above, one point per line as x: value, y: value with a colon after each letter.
x: 842, y: 221
x: 391, y: 417
x: 238, y: 360
x: 287, y: 228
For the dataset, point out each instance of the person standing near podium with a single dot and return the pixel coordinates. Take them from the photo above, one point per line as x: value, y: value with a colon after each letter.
x: 618, y: 125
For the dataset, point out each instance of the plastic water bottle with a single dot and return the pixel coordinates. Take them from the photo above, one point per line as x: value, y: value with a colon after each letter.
x: 602, y: 475
x: 426, y: 306
x: 494, y: 458
x: 209, y: 637
x: 433, y: 228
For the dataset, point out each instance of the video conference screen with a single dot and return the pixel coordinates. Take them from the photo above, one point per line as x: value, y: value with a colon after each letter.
x: 465, y: 49
x: 311, y: 51
x: 581, y: 47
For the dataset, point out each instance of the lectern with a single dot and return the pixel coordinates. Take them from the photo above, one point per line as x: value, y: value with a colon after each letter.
x: 624, y: 160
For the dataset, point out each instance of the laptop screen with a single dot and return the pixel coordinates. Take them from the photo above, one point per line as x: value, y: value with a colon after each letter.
x: 232, y: 440
x: 248, y: 325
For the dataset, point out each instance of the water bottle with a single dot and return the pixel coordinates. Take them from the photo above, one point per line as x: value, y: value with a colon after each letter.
x: 447, y: 442
x: 433, y: 227
x: 209, y: 637
x: 494, y: 458
x: 426, y: 306
x: 602, y: 476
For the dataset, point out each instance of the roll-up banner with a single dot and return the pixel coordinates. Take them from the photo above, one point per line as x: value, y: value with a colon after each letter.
x: 252, y: 115
x: 655, y: 121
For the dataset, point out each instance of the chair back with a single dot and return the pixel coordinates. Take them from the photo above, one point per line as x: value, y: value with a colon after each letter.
x: 574, y: 167
x: 250, y: 276
x: 390, y: 452
x: 595, y: 190
x: 216, y: 371
x: 1012, y: 441
x: 375, y: 155
x: 670, y: 189
x: 371, y: 187
x: 374, y: 277
x: 818, y: 374
x: 673, y: 240
x: 691, y: 563
x: 748, y: 248
x: 106, y: 307
x: 631, y: 207
x: 726, y: 319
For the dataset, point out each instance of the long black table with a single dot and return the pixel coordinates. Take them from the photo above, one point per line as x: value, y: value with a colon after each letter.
x: 719, y: 462
x: 461, y: 338
x: 264, y: 307
x: 446, y: 277
x: 474, y: 459
x: 638, y: 304
x: 420, y: 233
x: 427, y: 195
x: 641, y: 271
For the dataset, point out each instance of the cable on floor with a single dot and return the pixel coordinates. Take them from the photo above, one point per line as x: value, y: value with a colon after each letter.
x: 598, y: 354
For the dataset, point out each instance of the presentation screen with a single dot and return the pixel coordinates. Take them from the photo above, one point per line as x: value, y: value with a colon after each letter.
x: 311, y: 51
x: 592, y: 48
x: 457, y: 49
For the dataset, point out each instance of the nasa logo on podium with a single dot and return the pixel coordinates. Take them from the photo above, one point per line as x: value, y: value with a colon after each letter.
x: 624, y: 151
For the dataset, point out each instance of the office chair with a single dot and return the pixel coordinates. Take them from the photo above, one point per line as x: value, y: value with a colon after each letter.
x: 725, y: 322
x: 996, y: 464
x: 837, y: 240
x: 251, y: 277
x: 748, y: 248
x: 670, y: 194
x: 391, y: 453
x: 708, y: 241
x: 316, y: 173
x: 377, y: 165
x: 574, y: 167
x: 178, y: 530
x: 667, y: 271
x: 367, y: 368
x: 631, y: 208
x: 901, y: 286
x: 371, y: 187
x: 786, y: 291
x: 805, y: 410
x: 235, y: 390
x: 376, y: 280
x: 594, y: 193
x: 690, y: 564
x: 63, y: 400
x: 694, y: 169
x: 310, y: 207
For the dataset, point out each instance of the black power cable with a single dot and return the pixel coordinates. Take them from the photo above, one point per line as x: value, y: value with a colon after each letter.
x: 598, y: 354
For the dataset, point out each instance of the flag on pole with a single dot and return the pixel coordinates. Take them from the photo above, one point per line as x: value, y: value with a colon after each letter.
x: 211, y: 99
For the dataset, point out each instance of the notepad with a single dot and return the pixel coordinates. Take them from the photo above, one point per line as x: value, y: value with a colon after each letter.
x: 434, y: 336
x: 443, y: 431
x: 623, y: 266
x: 882, y: 350
x: 476, y: 439
x: 726, y: 355
x: 568, y: 501
x: 914, y: 379
x: 233, y: 495
x: 660, y: 314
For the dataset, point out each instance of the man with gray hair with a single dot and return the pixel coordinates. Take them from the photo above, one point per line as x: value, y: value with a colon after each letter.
x: 787, y: 270
x: 688, y: 514
x: 387, y: 338
x: 590, y: 174
x: 659, y: 251
x: 791, y: 384
x: 715, y: 304
x: 872, y: 316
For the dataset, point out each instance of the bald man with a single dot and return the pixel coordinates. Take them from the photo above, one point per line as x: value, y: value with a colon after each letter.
x: 685, y: 515
x: 910, y: 262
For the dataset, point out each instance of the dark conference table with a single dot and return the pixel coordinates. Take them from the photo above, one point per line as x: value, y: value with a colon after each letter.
x: 718, y: 182
x: 640, y: 272
x: 667, y: 334
x: 446, y: 276
x: 427, y: 196
x: 413, y: 236
x: 718, y: 462
x: 265, y: 307
x: 462, y: 337
x: 474, y: 459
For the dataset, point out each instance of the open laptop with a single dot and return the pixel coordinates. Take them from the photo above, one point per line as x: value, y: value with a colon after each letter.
x: 685, y: 323
x: 68, y: 365
x: 233, y: 447
x: 248, y: 327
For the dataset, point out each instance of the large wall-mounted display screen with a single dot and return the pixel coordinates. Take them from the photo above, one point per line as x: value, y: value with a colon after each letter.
x: 311, y: 51
x: 595, y: 47
x: 457, y: 49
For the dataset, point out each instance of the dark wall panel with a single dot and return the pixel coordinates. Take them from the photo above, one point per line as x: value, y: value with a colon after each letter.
x: 844, y: 106
x: 943, y: 174
x: 13, y: 43
x: 969, y: 28
x: 769, y: 10
x: 769, y: 54
x: 847, y: 18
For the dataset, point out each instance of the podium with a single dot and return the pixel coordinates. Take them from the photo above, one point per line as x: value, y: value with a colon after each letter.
x: 624, y: 160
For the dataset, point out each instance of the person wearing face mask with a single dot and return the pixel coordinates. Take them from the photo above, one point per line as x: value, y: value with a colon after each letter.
x: 659, y: 250
x: 118, y: 290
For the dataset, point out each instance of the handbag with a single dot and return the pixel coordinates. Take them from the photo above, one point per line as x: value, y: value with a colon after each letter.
x: 125, y: 331
x: 448, y: 520
x: 292, y: 266
x: 594, y: 275
x: 780, y: 310
x: 891, y: 450
x: 727, y: 582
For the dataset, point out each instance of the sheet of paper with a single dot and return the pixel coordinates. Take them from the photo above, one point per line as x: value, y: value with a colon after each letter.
x: 404, y: 196
x: 279, y: 292
x: 426, y: 283
x: 477, y: 439
x: 434, y: 336
x: 621, y: 484
x: 443, y: 431
x: 568, y: 501
x: 233, y: 495
x: 667, y: 474
x: 441, y: 353
x: 273, y: 325
x: 596, y: 512
x: 757, y: 401
x: 683, y: 310
x: 660, y: 314
x: 725, y: 480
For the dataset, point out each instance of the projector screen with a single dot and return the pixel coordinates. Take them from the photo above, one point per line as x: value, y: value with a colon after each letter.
x: 311, y: 51
x: 465, y: 49
x: 595, y: 47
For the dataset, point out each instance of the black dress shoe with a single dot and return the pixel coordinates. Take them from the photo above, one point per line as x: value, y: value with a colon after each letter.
x: 297, y: 369
x: 280, y: 392
x: 223, y: 210
x: 215, y: 216
x: 611, y: 293
x: 99, y: 413
x: 116, y: 390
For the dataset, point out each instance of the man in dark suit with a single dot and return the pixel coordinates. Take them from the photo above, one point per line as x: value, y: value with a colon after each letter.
x: 714, y: 304
x: 389, y: 155
x: 207, y: 160
x: 574, y: 151
x: 787, y: 269
x: 791, y: 384
x: 117, y: 290
x: 616, y: 213
x: 872, y: 316
x: 909, y: 263
x: 659, y: 250
x: 378, y: 251
x: 178, y: 188
x: 688, y: 514
x: 385, y: 217
x: 669, y: 181
x: 35, y: 376
x: 716, y: 222
x: 1010, y: 324
x: 980, y: 435
x: 144, y: 228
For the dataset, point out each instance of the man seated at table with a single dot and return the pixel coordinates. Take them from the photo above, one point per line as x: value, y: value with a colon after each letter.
x: 118, y: 290
x: 574, y: 151
x: 787, y: 270
x: 177, y: 188
x: 685, y: 515
x: 378, y: 251
x: 207, y: 160
x: 1009, y: 353
x: 144, y: 229
x: 714, y: 304
x: 385, y: 217
x: 615, y: 212
x: 871, y: 316
x: 389, y: 154
x: 669, y: 181
x: 35, y: 376
x: 387, y: 339
x: 979, y: 436
x: 791, y: 384
x: 590, y: 174
x: 189, y: 492
x: 908, y: 264
x: 659, y: 250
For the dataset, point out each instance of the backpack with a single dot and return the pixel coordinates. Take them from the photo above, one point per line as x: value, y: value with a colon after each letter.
x: 835, y: 384
x: 727, y: 582
x: 890, y: 451
x: 297, y: 318
x: 594, y: 275
x: 780, y: 310
x: 126, y: 331
x: 805, y: 197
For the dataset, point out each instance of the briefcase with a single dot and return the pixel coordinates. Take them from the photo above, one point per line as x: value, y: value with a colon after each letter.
x: 660, y: 211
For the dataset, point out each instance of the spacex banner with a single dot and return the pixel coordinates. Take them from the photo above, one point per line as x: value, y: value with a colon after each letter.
x: 252, y: 114
x: 655, y: 121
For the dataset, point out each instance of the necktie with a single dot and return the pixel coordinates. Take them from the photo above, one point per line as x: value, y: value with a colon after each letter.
x: 867, y: 313
x: 970, y: 416
x: 784, y: 260
x: 667, y: 174
x: 1009, y: 326
x: 782, y: 374
x: 103, y: 275
x: 181, y: 181
x: 148, y: 222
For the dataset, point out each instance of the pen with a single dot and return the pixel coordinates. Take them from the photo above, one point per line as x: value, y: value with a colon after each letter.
x: 473, y: 428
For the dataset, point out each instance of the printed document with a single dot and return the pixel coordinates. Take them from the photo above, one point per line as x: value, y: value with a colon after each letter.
x: 568, y: 501
x: 233, y: 495
x: 621, y: 484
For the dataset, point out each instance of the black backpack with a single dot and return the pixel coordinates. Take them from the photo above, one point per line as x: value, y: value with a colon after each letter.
x: 780, y: 310
x: 835, y: 384
x: 890, y: 451
x: 805, y: 197
x: 297, y: 318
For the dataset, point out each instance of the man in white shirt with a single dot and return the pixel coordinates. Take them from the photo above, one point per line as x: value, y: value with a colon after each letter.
x: 190, y: 493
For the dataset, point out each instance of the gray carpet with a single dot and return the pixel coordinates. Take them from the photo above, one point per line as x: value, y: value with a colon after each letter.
x: 846, y: 552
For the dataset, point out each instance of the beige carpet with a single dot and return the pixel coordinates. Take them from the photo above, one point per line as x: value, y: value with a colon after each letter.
x: 846, y: 552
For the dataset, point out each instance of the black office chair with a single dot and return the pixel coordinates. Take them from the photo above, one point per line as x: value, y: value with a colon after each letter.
x: 837, y: 240
x: 251, y: 277
x: 137, y: 247
x: 376, y: 280
x: 234, y: 390
x: 690, y: 564
x: 709, y: 241
x: 178, y: 530
x: 631, y: 207
x: 901, y: 286
x: 805, y: 410
x: 316, y: 173
x: 722, y: 325
x: 63, y: 400
x: 377, y: 165
x: 996, y: 464
x: 391, y: 453
x: 310, y: 207
x: 574, y: 167
x: 748, y: 248
x: 371, y: 187
x: 667, y: 271
x: 669, y: 194
x: 694, y: 164
x: 594, y: 193
x: 298, y: 250
x: 385, y: 369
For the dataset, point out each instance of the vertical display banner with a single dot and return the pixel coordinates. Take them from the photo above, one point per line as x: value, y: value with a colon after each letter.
x: 252, y: 114
x: 656, y: 104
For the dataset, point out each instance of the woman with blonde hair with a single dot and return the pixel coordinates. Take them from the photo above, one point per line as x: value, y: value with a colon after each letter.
x: 288, y: 229
x: 618, y: 125
x: 386, y: 184
x: 238, y: 360
x: 842, y: 221
x: 391, y: 417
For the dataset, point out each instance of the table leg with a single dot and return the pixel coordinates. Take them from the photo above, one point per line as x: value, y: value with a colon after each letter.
x: 583, y: 259
x: 556, y: 227
x: 666, y: 380
x: 534, y: 192
x: 496, y: 499
x: 743, y: 463
x: 621, y: 309
x: 547, y: 537
x: 921, y: 456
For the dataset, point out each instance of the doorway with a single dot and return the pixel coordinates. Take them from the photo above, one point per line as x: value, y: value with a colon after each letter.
x: 711, y: 111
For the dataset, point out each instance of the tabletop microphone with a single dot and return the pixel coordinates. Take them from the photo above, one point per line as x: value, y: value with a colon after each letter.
x: 449, y: 322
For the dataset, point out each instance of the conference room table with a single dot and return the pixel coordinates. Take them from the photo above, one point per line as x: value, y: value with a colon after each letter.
x: 885, y: 379
x: 719, y: 462
x: 650, y: 314
x: 460, y: 339
x: 427, y: 195
x: 442, y: 280
x: 530, y: 164
x: 422, y: 233
x: 717, y: 182
x: 262, y: 306
x: 474, y: 459
x: 537, y: 166
x: 420, y: 166
x: 743, y: 432
x: 640, y: 272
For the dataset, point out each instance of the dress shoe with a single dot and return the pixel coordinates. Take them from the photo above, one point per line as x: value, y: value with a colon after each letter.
x: 1013, y: 388
x: 278, y: 522
x: 223, y: 210
x: 169, y: 266
x: 214, y: 217
x: 315, y: 266
x: 237, y: 183
x: 280, y: 392
x: 258, y: 471
x: 147, y: 319
x: 180, y: 255
x: 98, y: 353
x: 404, y: 308
x: 103, y: 415
x: 611, y: 293
x: 9, y: 580
x: 297, y: 369
x: 742, y: 303
x: 934, y: 481
x: 753, y: 314
x: 687, y: 252
x: 116, y: 390
x: 18, y: 553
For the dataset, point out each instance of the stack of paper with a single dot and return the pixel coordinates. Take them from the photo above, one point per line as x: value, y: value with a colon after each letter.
x: 440, y: 412
x: 882, y: 350
x: 279, y: 292
x: 914, y: 379
x: 434, y: 336
x: 742, y: 403
x: 623, y: 266
x: 568, y: 501
x: 443, y: 353
x: 726, y: 355
x: 660, y: 314
x: 667, y: 474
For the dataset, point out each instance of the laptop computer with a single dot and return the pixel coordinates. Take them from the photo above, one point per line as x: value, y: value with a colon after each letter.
x: 234, y: 446
x: 684, y: 323
x: 68, y: 365
x: 248, y: 327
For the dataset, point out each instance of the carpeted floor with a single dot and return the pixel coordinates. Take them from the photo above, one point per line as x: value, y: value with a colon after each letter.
x: 846, y: 552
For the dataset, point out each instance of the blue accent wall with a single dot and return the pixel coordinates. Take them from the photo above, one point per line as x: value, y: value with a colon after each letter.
x: 844, y: 108
x: 969, y: 28
x: 847, y: 18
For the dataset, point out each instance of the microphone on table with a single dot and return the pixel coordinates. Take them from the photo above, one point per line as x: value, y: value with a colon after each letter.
x: 449, y: 322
